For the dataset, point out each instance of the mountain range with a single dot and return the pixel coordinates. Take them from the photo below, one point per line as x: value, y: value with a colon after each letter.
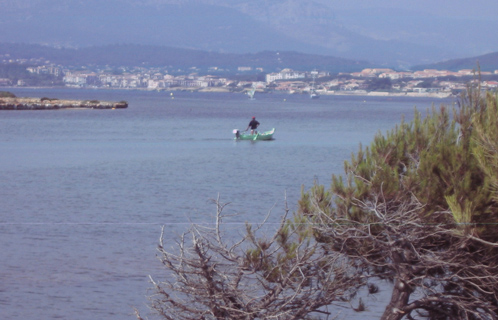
x: 486, y: 62
x: 131, y: 55
x: 393, y: 37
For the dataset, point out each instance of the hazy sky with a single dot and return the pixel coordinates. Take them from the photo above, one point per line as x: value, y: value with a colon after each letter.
x: 487, y: 9
x: 425, y: 30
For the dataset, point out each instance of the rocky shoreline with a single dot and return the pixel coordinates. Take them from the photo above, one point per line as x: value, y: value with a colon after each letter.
x: 8, y: 103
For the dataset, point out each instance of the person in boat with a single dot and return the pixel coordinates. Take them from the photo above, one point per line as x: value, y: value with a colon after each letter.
x: 253, y: 125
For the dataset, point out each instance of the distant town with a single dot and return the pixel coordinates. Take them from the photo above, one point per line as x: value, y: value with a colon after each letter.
x: 370, y: 81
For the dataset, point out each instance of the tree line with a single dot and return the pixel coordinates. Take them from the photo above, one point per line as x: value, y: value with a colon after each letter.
x: 15, y: 72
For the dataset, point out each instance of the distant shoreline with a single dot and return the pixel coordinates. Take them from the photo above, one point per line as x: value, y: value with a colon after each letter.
x: 358, y: 93
x: 438, y: 95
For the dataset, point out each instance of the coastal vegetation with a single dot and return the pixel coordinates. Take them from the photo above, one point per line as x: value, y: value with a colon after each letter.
x: 18, y: 72
x: 416, y: 209
x: 6, y: 94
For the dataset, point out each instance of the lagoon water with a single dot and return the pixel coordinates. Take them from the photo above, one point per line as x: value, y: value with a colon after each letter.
x: 84, y: 193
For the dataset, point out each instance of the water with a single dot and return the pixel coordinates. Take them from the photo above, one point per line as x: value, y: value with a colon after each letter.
x: 84, y: 193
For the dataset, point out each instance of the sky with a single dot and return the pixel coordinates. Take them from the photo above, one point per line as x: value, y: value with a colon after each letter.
x: 480, y: 9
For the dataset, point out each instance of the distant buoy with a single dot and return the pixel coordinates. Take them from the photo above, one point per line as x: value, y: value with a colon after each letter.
x: 285, y: 99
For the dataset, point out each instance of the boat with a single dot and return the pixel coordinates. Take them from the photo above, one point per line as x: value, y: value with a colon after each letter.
x: 267, y: 135
x: 251, y: 93
x: 313, y: 93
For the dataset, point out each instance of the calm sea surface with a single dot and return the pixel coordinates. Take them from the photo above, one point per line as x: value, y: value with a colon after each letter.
x: 84, y: 193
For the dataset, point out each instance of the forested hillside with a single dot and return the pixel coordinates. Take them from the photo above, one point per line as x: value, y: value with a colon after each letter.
x: 16, y: 72
x: 487, y: 62
x: 141, y: 55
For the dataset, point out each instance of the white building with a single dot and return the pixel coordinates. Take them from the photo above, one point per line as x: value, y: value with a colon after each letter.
x: 285, y: 74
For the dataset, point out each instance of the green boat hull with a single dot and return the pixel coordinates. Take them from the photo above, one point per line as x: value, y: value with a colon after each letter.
x: 267, y: 135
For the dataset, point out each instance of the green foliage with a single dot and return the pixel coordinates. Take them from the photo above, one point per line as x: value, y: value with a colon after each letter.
x: 461, y: 215
x: 486, y: 138
x: 291, y: 240
x: 419, y: 206
x: 13, y: 71
x: 17, y: 72
x: 447, y: 162
x: 6, y: 94
x: 485, y: 150
x: 379, y: 84
x: 321, y: 201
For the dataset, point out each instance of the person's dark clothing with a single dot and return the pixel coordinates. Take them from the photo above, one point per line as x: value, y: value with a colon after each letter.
x: 253, y: 124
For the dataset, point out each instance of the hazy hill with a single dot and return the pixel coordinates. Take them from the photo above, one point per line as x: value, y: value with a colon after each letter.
x: 145, y: 55
x: 487, y: 62
x: 96, y: 23
x: 395, y: 37
x: 366, y: 33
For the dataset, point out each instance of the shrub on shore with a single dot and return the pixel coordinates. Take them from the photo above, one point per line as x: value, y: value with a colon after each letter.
x: 6, y: 94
